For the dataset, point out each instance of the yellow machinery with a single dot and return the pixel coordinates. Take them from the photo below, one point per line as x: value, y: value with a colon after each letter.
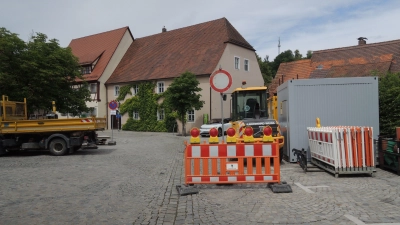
x: 273, y: 107
x: 59, y: 136
x: 251, y: 107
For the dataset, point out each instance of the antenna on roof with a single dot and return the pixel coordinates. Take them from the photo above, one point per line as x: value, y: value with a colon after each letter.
x: 279, y: 46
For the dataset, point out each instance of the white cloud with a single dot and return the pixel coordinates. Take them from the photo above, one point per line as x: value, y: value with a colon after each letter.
x: 303, y: 25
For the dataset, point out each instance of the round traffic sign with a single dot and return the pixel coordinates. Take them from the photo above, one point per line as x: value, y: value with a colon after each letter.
x: 113, y: 105
x: 220, y: 80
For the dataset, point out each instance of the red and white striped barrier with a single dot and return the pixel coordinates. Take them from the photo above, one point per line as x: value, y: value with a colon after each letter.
x: 346, y: 149
x: 210, y: 163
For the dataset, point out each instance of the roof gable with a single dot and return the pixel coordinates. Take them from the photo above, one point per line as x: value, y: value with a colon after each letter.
x: 102, y: 45
x: 196, y: 48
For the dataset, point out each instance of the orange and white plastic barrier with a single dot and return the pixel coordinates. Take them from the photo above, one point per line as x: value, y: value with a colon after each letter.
x: 209, y: 163
x: 344, y: 148
x: 212, y: 163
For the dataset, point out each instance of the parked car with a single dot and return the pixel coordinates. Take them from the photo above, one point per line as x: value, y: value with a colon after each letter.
x: 205, y: 128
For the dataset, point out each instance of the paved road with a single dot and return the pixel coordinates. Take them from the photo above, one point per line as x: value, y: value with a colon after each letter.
x: 134, y: 183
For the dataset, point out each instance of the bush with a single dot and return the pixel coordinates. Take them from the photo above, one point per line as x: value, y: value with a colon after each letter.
x: 389, y: 103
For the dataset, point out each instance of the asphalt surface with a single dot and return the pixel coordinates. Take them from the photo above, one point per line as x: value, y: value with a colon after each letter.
x: 134, y: 182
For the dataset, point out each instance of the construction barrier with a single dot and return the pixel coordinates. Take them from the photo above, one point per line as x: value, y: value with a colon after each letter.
x: 234, y: 162
x: 342, y: 149
x: 212, y: 163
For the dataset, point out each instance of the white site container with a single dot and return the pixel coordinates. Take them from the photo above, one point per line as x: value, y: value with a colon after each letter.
x: 336, y: 101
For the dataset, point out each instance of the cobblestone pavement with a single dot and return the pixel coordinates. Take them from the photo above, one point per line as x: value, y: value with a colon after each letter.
x: 134, y: 183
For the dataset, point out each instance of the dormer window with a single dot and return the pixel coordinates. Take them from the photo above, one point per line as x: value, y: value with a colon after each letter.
x: 93, y: 88
x: 86, y: 69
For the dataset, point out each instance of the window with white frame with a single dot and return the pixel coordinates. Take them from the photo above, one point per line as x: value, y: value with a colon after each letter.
x: 135, y: 115
x: 93, y: 88
x: 160, y: 114
x: 160, y: 87
x: 190, y: 114
x: 237, y: 62
x: 246, y: 65
x: 135, y: 89
x: 116, y: 90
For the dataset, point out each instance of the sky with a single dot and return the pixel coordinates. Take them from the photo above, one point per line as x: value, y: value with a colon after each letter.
x: 299, y: 24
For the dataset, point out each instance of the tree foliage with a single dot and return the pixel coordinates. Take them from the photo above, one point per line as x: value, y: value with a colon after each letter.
x: 265, y: 69
x: 389, y: 103
x: 41, y: 71
x: 270, y: 68
x: 309, y: 54
x: 286, y: 56
x: 297, y: 55
x: 182, y: 96
x: 145, y: 102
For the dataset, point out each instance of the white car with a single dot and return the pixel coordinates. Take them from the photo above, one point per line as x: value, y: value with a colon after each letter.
x: 205, y: 128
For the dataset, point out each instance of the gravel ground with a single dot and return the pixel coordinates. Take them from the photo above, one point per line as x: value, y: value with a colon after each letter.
x: 134, y: 182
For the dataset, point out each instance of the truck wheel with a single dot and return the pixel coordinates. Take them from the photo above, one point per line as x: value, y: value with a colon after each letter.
x: 58, y: 147
x: 219, y: 132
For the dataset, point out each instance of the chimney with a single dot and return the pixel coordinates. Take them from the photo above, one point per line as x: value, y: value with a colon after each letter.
x: 164, y: 29
x: 361, y: 40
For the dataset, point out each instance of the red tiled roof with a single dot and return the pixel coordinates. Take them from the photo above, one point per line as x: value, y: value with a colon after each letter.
x: 353, y: 61
x: 196, y: 48
x: 89, y: 48
x: 300, y: 69
x: 368, y: 54
x: 358, y: 70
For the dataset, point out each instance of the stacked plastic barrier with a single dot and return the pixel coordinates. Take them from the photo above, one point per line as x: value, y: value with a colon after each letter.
x: 342, y: 149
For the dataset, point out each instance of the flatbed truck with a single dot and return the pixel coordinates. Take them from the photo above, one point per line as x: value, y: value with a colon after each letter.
x: 59, y: 136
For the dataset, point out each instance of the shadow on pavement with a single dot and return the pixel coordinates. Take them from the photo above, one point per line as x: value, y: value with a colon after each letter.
x: 25, y: 153
x: 94, y: 151
x: 47, y: 153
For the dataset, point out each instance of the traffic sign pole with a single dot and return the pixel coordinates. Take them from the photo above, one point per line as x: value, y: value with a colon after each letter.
x: 221, y: 81
x: 112, y: 105
x: 222, y: 116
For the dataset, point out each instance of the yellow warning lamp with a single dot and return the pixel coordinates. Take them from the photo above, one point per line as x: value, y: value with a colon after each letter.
x: 213, y: 136
x: 231, y: 135
x: 318, y: 123
x: 195, y: 136
x: 248, y: 135
x: 267, y: 130
x: 53, y: 103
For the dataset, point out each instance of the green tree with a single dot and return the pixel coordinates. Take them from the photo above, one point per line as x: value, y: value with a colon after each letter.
x: 309, y: 54
x: 286, y: 56
x: 265, y: 69
x: 297, y: 55
x: 41, y: 71
x: 181, y: 96
x: 389, y: 103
